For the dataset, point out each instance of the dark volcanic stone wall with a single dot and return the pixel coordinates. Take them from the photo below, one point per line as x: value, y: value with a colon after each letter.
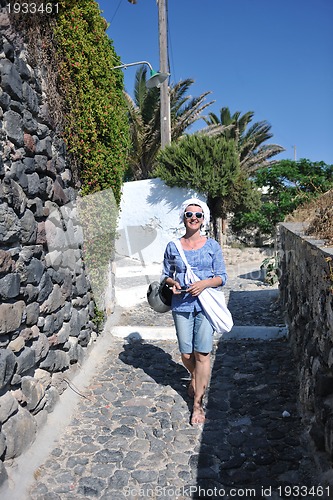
x: 46, y: 302
x: 306, y: 286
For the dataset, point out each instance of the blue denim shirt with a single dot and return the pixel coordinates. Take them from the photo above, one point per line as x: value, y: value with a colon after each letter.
x: 206, y: 262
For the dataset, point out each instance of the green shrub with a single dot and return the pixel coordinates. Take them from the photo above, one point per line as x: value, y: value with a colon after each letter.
x: 96, y: 127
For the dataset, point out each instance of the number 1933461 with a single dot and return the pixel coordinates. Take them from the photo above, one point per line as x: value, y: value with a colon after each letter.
x: 32, y: 8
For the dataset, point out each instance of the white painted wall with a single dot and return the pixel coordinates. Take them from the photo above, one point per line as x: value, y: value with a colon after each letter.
x: 149, y: 219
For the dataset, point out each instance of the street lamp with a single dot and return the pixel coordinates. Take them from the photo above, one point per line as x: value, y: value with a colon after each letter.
x: 156, y: 77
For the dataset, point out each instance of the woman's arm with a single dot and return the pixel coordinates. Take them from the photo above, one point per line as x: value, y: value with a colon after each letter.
x: 169, y: 270
x: 218, y: 264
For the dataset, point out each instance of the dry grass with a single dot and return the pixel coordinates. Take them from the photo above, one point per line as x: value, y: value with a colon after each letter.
x: 319, y: 215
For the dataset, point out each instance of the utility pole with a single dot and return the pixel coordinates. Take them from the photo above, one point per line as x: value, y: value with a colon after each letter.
x: 164, y: 68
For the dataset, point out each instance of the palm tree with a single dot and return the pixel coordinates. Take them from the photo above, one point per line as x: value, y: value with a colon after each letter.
x: 253, y: 154
x: 144, y: 116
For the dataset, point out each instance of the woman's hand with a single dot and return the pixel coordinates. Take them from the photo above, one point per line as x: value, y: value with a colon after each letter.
x: 176, y: 289
x: 175, y: 286
x: 196, y: 288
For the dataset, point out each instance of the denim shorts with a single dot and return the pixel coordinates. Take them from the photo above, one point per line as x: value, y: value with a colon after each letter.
x: 194, y: 332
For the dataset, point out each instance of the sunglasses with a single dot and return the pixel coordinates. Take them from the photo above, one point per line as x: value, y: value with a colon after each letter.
x: 198, y: 215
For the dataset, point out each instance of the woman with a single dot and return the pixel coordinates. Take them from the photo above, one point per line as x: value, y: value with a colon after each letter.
x: 194, y: 332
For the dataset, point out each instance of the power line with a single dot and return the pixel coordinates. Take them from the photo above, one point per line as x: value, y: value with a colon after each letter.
x: 170, y: 46
x: 114, y: 15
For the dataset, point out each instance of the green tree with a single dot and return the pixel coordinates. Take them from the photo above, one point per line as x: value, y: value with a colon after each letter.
x: 253, y: 153
x: 209, y: 165
x: 285, y: 185
x: 144, y: 117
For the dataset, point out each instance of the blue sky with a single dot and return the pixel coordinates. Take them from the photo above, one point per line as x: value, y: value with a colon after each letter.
x: 273, y: 57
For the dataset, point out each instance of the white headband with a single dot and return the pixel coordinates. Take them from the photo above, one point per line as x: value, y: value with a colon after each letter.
x: 195, y: 201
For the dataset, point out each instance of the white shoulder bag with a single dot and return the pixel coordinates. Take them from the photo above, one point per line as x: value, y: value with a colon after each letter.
x: 211, y: 300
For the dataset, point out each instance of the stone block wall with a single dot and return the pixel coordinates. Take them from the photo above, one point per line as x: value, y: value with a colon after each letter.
x: 306, y: 285
x: 46, y: 303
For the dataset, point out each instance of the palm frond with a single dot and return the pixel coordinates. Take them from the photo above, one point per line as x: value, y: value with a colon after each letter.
x: 212, y: 119
x: 255, y: 159
x: 144, y: 116
x: 250, y: 139
x: 140, y: 89
x: 215, y: 129
x: 189, y: 115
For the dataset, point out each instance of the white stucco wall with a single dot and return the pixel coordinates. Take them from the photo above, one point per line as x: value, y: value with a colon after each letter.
x: 149, y: 219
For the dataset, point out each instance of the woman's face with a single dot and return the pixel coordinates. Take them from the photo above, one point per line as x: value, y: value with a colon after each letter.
x: 192, y: 218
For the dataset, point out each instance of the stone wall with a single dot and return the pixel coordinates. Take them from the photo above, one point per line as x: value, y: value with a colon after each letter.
x: 46, y: 304
x: 306, y: 285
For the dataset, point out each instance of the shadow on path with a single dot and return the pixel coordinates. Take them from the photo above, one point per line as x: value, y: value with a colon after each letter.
x: 256, y: 307
x: 250, y: 446
x: 156, y: 363
x: 257, y: 275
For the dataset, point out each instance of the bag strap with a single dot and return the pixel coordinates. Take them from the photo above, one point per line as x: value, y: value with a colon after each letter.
x: 181, y: 253
x: 193, y: 276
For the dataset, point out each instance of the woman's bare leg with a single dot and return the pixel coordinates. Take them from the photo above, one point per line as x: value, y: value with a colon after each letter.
x: 201, y: 376
x: 189, y: 363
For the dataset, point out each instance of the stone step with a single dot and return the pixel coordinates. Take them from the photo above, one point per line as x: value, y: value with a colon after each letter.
x: 130, y: 332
